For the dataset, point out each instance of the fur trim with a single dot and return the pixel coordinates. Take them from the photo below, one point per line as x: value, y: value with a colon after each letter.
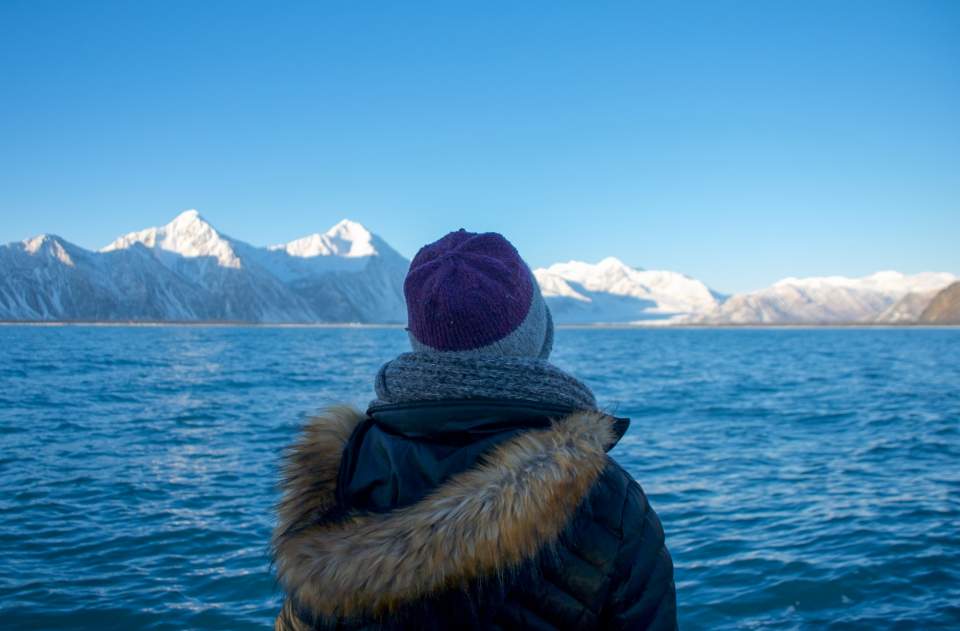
x: 482, y: 522
x: 310, y: 469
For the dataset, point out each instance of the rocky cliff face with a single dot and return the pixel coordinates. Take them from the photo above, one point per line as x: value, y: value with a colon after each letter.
x: 907, y: 309
x: 944, y: 308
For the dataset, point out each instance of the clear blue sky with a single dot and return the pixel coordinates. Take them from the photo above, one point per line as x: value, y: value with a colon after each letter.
x: 738, y: 142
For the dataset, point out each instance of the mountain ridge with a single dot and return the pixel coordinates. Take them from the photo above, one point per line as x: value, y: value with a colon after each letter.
x: 824, y: 299
x: 187, y: 270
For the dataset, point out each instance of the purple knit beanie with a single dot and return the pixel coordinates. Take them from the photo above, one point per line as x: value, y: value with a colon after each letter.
x: 472, y: 293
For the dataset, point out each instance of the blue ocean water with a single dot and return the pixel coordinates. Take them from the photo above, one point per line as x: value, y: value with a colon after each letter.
x: 805, y: 478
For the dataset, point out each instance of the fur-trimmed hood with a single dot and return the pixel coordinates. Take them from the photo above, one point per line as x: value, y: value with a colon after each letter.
x: 479, y: 523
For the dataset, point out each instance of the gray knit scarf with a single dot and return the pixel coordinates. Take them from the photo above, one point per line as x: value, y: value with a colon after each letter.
x: 415, y: 377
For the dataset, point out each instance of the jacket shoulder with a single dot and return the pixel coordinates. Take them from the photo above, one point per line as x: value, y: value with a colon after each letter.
x: 641, y: 591
x: 613, y: 556
x: 609, y: 515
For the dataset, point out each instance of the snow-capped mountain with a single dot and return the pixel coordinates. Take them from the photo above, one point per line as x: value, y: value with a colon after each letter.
x: 611, y: 291
x: 188, y: 236
x: 830, y: 299
x: 347, y: 239
x: 49, y: 278
x: 187, y: 270
x: 346, y: 270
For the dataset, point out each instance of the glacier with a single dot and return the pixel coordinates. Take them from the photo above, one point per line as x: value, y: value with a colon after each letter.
x: 611, y: 291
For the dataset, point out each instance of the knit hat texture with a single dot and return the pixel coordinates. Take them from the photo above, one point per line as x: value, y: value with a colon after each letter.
x: 471, y: 293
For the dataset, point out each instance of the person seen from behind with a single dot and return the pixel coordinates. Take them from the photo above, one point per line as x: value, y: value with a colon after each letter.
x: 476, y: 491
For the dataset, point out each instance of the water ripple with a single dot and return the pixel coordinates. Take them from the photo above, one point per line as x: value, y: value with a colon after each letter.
x: 806, y: 479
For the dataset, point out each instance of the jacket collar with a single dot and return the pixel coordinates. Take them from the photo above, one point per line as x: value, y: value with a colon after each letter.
x: 481, y: 522
x: 417, y: 419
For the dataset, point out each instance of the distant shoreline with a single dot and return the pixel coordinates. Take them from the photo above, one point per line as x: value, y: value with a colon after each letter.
x: 356, y: 325
x: 202, y: 323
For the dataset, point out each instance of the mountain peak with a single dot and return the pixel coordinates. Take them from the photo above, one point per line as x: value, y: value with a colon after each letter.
x: 49, y: 244
x: 612, y: 262
x: 605, y: 265
x: 33, y: 244
x: 187, y: 235
x: 348, y: 227
x: 192, y: 224
x: 606, y: 272
x: 187, y: 218
x: 351, y: 238
x: 347, y: 238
